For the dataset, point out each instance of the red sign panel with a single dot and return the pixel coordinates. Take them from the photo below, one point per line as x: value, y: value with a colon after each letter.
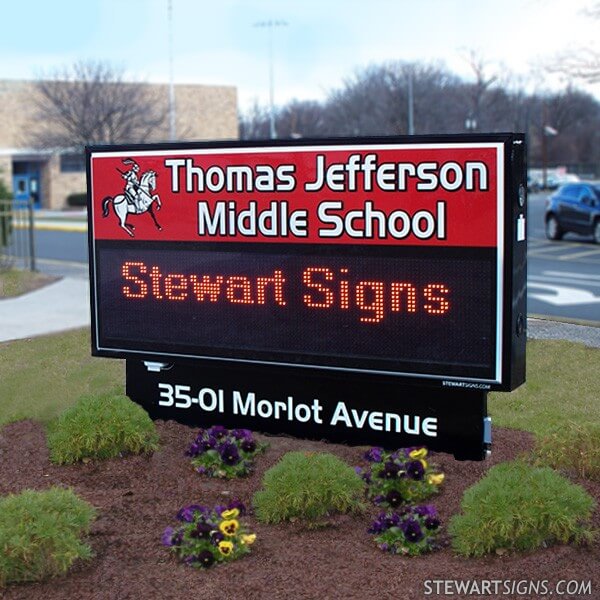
x: 385, y: 195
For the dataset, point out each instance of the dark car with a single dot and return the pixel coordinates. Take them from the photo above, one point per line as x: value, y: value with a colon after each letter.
x: 574, y: 207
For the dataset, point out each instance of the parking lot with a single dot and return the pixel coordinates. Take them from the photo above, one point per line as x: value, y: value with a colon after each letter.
x: 563, y: 276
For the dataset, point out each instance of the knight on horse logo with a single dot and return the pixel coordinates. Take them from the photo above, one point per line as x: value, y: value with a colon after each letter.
x: 137, y: 198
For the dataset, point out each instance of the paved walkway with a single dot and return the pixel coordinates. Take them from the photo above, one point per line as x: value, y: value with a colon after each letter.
x: 555, y: 330
x: 57, y: 307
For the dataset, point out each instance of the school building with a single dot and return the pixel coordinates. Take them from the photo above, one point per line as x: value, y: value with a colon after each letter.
x: 203, y: 112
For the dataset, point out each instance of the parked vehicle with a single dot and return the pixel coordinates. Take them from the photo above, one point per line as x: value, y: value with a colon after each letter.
x: 533, y: 184
x: 574, y: 207
x: 555, y: 180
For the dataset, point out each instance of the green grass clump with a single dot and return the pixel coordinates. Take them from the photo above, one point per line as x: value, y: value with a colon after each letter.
x: 40, y: 534
x: 101, y: 427
x: 572, y: 448
x: 308, y: 486
x: 520, y: 507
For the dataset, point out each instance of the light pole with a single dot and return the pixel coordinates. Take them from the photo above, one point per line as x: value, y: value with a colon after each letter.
x: 547, y: 131
x: 270, y: 24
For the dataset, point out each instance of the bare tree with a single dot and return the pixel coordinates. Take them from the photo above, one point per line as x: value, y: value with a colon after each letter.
x: 375, y: 101
x: 90, y: 103
x: 254, y: 123
x: 484, y: 95
x: 581, y: 63
x: 301, y: 119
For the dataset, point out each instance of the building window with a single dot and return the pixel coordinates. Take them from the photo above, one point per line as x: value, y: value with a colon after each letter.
x: 72, y: 162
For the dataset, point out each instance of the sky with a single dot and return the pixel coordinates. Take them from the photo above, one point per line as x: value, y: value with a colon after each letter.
x: 322, y: 44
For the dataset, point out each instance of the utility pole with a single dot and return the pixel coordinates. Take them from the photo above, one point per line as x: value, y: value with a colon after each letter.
x: 270, y: 24
x: 172, y: 125
x: 411, y: 103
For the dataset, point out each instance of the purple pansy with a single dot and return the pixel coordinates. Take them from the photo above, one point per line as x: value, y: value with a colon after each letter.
x: 390, y: 470
x: 218, y: 432
x: 412, y: 530
x: 415, y: 470
x: 167, y: 537
x: 237, y: 504
x: 187, y: 513
x: 209, y: 443
x: 241, y: 434
x: 425, y: 510
x: 216, y: 537
x: 374, y: 454
x: 229, y: 454
x: 248, y: 445
x: 202, y: 531
x: 195, y: 449
x: 205, y: 558
x: 394, y: 498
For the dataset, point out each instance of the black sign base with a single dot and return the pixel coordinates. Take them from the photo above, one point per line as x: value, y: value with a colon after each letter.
x: 349, y: 408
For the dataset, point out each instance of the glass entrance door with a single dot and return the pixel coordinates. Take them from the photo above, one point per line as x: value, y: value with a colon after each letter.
x: 26, y: 182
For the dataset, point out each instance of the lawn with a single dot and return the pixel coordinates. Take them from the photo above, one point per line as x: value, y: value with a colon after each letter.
x: 14, y: 283
x: 563, y: 384
x: 43, y: 376
x: 40, y: 377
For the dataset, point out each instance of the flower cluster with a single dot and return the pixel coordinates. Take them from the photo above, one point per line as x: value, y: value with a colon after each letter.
x: 208, y: 535
x: 219, y: 452
x: 410, y: 531
x: 400, y: 477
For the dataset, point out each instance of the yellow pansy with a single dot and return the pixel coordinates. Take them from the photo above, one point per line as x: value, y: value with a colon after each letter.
x: 230, y: 514
x: 249, y: 539
x: 229, y: 527
x: 418, y: 454
x: 436, y: 479
x: 225, y: 548
x: 423, y: 462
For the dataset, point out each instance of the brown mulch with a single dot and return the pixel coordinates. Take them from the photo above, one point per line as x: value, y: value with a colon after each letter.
x: 137, y: 497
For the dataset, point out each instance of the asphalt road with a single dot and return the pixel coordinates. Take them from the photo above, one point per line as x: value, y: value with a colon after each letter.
x: 62, y: 253
x: 563, y: 277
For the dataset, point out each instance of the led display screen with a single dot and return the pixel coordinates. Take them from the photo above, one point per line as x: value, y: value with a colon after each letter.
x: 376, y: 257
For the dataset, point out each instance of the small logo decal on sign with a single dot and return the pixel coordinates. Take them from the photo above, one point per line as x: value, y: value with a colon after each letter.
x: 137, y: 197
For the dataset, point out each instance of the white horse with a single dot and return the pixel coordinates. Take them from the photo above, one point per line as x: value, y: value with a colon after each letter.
x: 145, y: 198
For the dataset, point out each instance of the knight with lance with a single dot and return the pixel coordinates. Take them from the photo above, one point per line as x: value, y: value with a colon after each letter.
x: 132, y: 184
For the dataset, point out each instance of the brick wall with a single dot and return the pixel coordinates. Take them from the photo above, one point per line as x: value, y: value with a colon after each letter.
x: 203, y: 112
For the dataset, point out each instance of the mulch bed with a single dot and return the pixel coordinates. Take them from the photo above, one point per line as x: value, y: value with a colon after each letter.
x: 137, y: 497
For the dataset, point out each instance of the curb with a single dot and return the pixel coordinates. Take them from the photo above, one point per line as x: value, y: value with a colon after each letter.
x: 76, y: 227
x: 61, y: 227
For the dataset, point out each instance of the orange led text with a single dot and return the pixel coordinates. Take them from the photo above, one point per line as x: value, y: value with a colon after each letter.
x: 373, y: 298
x: 320, y: 288
x: 151, y: 282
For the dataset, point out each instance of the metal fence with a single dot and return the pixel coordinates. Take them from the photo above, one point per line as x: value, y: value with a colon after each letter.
x: 17, y: 248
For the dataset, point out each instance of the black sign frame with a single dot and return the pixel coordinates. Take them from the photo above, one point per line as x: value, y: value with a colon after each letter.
x: 513, y: 309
